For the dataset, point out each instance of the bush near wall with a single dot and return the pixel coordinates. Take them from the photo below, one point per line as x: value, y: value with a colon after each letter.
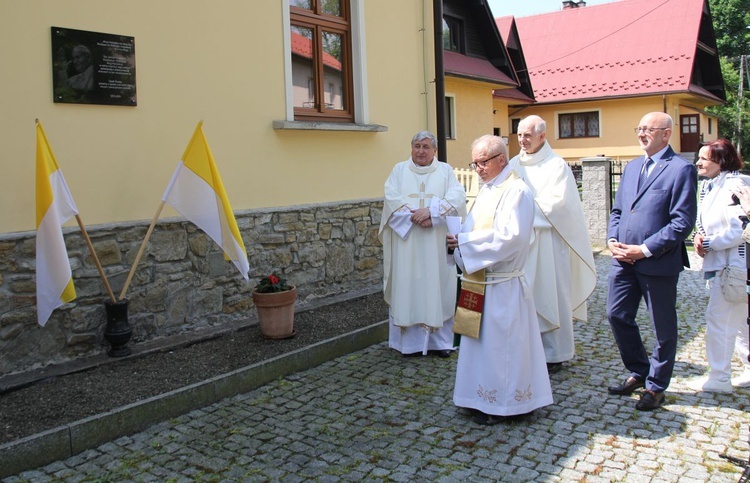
x: 182, y: 282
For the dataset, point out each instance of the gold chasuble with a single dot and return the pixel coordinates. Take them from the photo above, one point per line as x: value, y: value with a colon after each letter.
x: 468, y: 318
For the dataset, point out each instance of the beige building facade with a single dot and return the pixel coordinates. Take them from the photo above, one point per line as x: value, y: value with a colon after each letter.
x: 617, y: 118
x: 228, y: 64
x: 473, y: 117
x: 305, y: 181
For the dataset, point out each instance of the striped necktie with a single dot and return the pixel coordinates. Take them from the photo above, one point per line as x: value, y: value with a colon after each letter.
x: 644, y: 172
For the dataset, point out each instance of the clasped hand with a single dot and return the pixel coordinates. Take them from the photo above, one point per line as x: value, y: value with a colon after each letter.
x: 421, y: 217
x: 625, y: 253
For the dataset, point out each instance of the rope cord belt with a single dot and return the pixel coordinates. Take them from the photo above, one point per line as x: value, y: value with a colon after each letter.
x: 498, y: 276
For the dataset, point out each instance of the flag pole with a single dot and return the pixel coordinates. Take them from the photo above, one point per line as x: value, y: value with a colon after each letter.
x: 140, y: 251
x: 96, y: 259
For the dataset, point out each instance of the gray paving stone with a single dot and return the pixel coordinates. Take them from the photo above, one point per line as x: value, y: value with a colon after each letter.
x: 374, y: 415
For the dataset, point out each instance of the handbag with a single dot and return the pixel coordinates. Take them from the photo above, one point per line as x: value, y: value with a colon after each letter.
x: 733, y: 284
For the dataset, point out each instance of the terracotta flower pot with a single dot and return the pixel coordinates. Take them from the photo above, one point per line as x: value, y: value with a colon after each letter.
x: 276, y: 313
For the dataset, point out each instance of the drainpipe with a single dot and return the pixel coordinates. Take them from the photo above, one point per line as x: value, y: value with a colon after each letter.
x: 437, y: 12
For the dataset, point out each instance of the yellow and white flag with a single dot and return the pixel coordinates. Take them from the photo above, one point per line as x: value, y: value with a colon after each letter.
x: 197, y: 192
x: 54, y: 206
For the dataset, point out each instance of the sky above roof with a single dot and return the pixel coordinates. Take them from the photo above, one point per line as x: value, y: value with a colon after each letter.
x: 501, y: 8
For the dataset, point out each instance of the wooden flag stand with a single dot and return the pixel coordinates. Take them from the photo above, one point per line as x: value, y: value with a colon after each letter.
x: 96, y: 259
x: 140, y: 251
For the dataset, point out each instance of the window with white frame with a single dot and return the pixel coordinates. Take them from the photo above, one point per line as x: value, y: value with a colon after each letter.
x: 578, y: 124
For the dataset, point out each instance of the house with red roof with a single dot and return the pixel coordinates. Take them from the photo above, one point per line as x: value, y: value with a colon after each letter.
x: 303, y: 85
x: 596, y: 70
x: 475, y: 63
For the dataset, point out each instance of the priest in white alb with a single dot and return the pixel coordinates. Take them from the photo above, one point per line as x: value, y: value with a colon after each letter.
x: 419, y: 282
x: 560, y: 268
x: 501, y: 373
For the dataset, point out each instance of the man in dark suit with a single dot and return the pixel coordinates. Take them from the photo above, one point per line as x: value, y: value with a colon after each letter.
x: 653, y: 214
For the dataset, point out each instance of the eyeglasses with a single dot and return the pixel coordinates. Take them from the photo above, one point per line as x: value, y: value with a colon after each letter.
x: 482, y: 164
x: 649, y: 130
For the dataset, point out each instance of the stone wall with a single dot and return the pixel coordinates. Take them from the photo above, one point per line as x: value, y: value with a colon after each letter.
x: 597, y: 204
x: 183, y: 282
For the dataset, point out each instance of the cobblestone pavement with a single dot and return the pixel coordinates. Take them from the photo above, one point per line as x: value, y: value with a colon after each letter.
x: 374, y: 415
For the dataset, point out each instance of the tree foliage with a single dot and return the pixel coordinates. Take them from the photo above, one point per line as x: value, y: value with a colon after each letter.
x: 730, y: 20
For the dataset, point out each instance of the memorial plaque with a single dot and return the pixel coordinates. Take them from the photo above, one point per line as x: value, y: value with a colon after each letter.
x: 93, y: 68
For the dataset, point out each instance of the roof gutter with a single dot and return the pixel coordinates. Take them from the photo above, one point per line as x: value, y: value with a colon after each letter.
x: 495, y: 84
x: 437, y: 13
x: 625, y: 96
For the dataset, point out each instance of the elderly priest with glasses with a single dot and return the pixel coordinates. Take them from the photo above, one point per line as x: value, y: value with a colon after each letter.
x: 502, y: 370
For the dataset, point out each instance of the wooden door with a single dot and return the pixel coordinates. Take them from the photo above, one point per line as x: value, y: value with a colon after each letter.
x: 690, y: 133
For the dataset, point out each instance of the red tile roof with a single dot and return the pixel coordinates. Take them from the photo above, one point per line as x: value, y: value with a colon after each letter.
x: 618, y: 49
x: 461, y: 65
x: 506, y: 26
x: 302, y: 46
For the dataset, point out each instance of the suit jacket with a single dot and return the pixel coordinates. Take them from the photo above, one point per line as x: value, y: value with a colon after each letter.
x: 661, y: 214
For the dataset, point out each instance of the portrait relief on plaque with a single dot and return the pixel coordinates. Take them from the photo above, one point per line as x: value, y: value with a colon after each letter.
x: 93, y: 68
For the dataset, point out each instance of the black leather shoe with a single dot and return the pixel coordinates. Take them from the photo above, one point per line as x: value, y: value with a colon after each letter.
x: 413, y: 354
x: 650, y: 400
x: 491, y: 420
x: 488, y: 419
x: 470, y: 412
x: 442, y: 353
x: 627, y: 387
x: 553, y: 367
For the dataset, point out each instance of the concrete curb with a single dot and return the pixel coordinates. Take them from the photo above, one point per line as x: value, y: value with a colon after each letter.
x: 65, y: 441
